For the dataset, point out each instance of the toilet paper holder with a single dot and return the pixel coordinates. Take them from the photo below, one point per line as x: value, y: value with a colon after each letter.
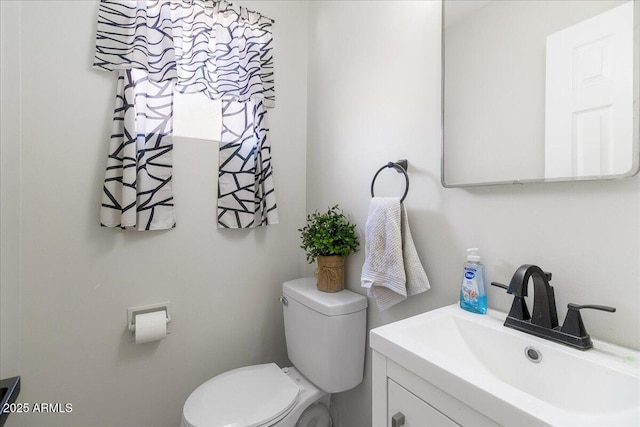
x: 132, y: 312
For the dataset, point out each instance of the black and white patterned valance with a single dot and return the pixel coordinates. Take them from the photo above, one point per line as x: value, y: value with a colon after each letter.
x: 190, y: 46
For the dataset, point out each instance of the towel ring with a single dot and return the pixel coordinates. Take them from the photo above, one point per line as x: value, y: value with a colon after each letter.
x: 401, y: 167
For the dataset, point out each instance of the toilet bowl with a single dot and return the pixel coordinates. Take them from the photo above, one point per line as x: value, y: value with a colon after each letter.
x: 257, y: 396
x: 325, y: 335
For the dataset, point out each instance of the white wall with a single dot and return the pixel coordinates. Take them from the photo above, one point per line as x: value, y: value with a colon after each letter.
x: 374, y: 96
x: 78, y: 279
x: 9, y: 188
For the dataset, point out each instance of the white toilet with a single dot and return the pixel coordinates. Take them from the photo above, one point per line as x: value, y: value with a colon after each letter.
x: 325, y: 335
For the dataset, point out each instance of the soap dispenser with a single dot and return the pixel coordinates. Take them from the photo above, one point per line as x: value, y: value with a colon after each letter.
x: 472, y: 294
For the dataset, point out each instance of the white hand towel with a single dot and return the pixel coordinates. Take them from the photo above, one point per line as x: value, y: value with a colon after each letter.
x: 392, y: 270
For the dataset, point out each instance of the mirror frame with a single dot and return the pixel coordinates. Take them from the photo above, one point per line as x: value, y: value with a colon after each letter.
x: 635, y: 168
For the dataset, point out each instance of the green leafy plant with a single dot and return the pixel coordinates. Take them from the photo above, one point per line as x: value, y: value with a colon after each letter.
x: 328, y: 234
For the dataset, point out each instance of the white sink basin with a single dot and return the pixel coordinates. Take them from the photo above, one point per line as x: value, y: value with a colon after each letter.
x: 484, y: 364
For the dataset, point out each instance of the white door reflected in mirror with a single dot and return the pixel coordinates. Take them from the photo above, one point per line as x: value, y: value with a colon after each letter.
x: 588, y: 107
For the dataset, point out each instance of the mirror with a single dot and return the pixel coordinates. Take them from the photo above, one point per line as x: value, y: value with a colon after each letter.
x: 539, y: 91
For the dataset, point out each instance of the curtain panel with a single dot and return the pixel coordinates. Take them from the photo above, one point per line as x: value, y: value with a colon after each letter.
x: 190, y: 46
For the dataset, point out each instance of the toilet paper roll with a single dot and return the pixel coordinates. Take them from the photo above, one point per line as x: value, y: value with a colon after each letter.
x: 151, y: 326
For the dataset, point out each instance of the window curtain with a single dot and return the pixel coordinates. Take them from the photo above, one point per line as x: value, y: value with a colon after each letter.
x: 190, y: 46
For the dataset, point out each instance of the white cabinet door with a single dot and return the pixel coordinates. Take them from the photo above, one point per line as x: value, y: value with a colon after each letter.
x: 415, y: 412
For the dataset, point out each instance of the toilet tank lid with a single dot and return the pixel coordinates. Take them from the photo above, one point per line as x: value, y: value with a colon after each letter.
x: 304, y: 291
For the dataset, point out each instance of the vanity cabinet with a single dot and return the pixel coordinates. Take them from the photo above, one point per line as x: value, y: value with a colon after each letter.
x: 402, y: 399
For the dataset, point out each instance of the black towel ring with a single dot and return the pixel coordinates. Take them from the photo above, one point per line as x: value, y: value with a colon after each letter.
x: 401, y: 167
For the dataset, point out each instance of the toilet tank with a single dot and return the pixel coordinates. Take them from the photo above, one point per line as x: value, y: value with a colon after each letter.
x: 325, y: 333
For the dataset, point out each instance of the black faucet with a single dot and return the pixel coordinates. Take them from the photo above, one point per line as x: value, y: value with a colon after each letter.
x: 544, y: 302
x: 544, y: 320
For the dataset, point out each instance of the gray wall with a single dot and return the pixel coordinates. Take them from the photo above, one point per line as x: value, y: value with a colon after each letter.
x: 374, y: 96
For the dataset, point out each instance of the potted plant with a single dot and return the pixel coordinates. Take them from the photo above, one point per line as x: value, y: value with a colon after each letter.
x: 329, y: 238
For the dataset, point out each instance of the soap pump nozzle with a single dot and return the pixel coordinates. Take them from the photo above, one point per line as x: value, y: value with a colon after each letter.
x: 472, y: 255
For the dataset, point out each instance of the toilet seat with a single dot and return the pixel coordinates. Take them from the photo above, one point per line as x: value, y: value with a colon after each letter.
x: 251, y: 396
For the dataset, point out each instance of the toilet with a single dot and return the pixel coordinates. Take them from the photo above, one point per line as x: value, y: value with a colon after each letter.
x: 325, y: 334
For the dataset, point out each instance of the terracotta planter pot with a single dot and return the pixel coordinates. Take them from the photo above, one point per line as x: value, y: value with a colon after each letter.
x: 330, y: 273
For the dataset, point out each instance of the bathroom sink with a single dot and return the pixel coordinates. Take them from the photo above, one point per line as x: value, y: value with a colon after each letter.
x: 512, y: 377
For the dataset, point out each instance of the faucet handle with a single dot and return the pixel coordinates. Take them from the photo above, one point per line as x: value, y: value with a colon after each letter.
x: 572, y: 306
x: 573, y: 324
x: 519, y: 308
x: 547, y: 274
x: 500, y: 285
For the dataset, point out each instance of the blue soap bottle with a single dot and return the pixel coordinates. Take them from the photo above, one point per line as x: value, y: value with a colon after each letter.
x: 472, y: 294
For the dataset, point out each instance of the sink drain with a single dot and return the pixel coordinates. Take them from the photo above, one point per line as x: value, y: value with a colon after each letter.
x: 533, y: 354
